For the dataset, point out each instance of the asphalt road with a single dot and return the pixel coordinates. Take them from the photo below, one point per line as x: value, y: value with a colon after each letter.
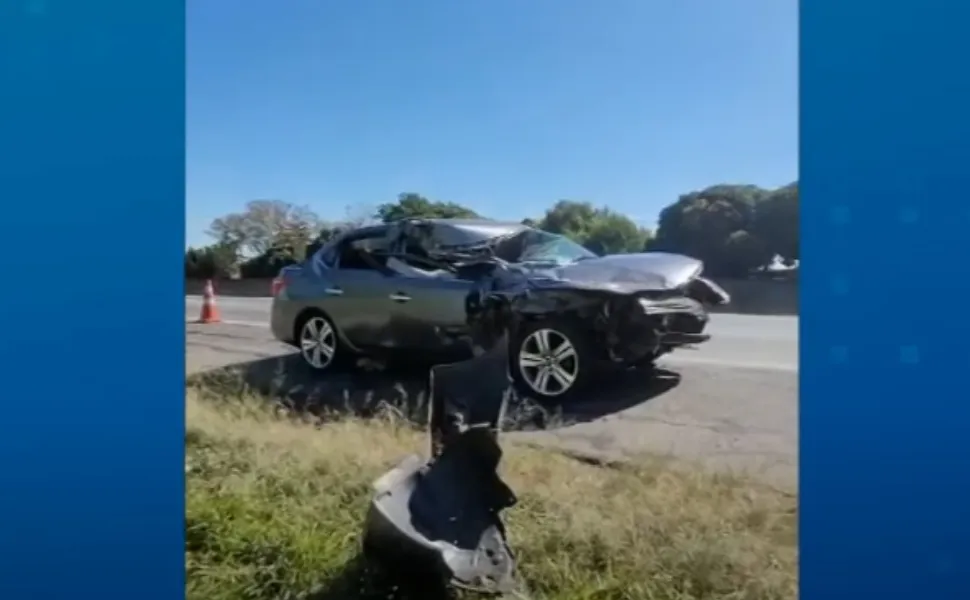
x: 732, y: 403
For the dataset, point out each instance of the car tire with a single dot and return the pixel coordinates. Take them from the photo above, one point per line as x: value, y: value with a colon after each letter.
x: 560, y: 349
x: 318, y: 342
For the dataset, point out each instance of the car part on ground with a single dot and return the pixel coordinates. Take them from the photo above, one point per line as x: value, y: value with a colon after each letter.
x: 440, y: 519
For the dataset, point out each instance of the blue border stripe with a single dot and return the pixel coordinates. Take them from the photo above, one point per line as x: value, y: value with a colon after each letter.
x: 885, y: 467
x: 92, y: 176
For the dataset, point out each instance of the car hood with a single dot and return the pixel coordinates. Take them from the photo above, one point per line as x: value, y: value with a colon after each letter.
x: 624, y: 273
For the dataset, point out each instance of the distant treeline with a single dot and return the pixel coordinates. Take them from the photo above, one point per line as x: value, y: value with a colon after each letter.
x: 735, y: 229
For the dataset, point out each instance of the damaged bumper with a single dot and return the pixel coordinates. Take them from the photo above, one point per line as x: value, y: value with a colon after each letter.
x: 676, y: 321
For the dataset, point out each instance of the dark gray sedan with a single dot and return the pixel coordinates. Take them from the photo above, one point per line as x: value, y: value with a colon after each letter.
x: 402, y: 290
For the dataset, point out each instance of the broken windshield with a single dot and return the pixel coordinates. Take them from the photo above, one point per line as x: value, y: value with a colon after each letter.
x: 534, y: 246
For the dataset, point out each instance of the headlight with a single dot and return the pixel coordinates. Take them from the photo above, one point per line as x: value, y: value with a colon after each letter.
x: 650, y: 307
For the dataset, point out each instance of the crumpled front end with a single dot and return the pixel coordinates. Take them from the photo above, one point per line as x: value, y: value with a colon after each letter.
x: 633, y: 324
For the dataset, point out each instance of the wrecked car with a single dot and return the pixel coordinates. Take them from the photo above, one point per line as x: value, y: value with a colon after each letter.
x: 412, y: 287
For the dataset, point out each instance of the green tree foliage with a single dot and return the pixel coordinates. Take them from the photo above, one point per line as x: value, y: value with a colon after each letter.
x: 210, y: 262
x: 325, y: 235
x: 599, y: 229
x: 269, y: 263
x: 411, y: 205
x: 264, y: 224
x: 569, y: 218
x: 734, y: 229
x: 613, y: 233
x: 288, y: 251
x: 776, y: 222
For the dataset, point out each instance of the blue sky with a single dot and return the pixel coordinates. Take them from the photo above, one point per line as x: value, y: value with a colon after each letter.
x: 503, y: 105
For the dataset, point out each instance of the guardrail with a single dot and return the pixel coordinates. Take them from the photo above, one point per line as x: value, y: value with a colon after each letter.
x: 753, y: 297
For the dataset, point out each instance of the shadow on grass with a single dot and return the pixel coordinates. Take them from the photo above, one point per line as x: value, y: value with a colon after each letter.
x: 403, y: 390
x: 361, y: 579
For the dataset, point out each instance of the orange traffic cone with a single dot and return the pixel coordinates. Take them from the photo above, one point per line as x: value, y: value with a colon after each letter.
x: 210, y: 312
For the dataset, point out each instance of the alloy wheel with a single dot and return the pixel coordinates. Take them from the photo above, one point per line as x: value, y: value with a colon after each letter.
x: 548, y: 362
x: 318, y: 342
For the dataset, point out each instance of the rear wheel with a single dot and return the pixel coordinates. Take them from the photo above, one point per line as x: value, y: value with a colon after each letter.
x: 318, y: 342
x: 551, y: 359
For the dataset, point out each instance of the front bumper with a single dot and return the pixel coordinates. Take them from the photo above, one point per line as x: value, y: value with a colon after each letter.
x: 672, y: 339
x: 675, y: 321
x: 675, y: 314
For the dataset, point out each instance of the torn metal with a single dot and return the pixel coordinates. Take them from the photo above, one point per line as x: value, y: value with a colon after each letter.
x: 441, y: 517
x: 638, y: 306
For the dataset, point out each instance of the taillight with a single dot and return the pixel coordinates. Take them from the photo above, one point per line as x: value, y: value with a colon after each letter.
x: 277, y: 286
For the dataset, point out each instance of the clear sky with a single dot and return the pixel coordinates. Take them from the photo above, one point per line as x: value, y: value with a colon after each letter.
x: 503, y: 105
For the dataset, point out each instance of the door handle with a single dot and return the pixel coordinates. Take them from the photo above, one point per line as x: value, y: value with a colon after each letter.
x: 333, y: 291
x: 399, y: 297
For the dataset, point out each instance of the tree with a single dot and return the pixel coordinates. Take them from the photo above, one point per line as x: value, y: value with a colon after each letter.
x: 717, y: 226
x: 601, y: 230
x: 265, y: 223
x: 614, y: 233
x: 325, y: 234
x: 569, y: 218
x: 269, y: 263
x: 411, y: 205
x: 734, y: 229
x: 777, y: 223
x: 217, y: 260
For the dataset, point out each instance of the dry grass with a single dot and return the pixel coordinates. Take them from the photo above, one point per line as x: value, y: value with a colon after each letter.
x: 274, y: 507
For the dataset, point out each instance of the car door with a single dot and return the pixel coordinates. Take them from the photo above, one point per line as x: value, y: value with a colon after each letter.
x: 358, y: 302
x: 356, y: 295
x: 428, y: 313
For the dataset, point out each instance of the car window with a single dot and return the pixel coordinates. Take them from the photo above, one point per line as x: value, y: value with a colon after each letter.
x: 358, y: 255
x: 410, y: 266
x: 535, y: 245
x: 327, y: 256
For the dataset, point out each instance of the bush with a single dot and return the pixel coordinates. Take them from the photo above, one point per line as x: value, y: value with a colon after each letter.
x: 209, y: 262
x: 269, y: 263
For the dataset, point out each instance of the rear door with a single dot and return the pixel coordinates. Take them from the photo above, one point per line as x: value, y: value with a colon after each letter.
x: 355, y: 292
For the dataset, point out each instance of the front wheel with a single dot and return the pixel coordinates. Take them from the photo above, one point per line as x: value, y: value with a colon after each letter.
x: 551, y: 359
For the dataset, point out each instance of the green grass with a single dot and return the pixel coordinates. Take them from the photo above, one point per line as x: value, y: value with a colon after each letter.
x: 274, y: 505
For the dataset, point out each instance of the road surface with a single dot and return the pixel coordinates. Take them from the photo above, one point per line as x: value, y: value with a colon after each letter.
x: 737, y: 340
x: 731, y: 403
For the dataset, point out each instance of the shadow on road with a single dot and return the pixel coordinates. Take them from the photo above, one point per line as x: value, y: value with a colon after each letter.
x: 403, y: 390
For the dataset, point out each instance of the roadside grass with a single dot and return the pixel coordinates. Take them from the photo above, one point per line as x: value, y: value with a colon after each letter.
x: 275, y: 502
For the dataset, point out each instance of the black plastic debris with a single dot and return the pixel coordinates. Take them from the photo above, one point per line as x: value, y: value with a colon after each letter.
x: 441, y: 517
